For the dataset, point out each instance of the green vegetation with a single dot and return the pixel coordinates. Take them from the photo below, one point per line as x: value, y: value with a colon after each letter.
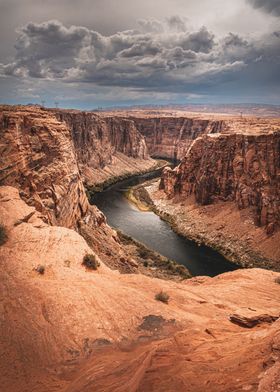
x: 162, y: 296
x: 3, y: 234
x: 90, y: 262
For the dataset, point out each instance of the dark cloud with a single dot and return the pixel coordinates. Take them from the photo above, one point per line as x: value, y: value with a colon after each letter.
x: 50, y: 50
x: 43, y: 50
x: 270, y: 6
x: 177, y: 23
x: 157, y: 57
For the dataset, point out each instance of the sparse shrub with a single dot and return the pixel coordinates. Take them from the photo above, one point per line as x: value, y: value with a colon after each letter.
x: 146, y: 253
x: 277, y: 280
x: 182, y: 270
x: 3, y: 234
x: 40, y: 269
x: 171, y: 266
x: 162, y: 296
x: 143, y: 253
x: 67, y: 263
x: 90, y: 261
x: 146, y: 264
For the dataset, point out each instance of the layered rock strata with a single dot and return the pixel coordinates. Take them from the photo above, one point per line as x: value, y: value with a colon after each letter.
x: 105, y: 147
x: 171, y: 137
x: 49, y: 154
x: 240, y: 168
x: 74, y: 330
x: 41, y: 154
x: 37, y: 156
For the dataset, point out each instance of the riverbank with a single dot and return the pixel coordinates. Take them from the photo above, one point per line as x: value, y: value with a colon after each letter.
x: 136, y: 257
x: 123, y: 169
x: 151, y: 263
x: 243, y: 244
x: 147, y: 229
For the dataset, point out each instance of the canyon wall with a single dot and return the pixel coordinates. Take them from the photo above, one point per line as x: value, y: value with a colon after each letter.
x: 171, y: 137
x: 240, y: 168
x: 48, y: 154
x: 37, y: 156
x: 71, y: 329
x: 97, y: 140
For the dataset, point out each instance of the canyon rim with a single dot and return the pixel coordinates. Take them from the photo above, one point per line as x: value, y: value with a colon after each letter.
x: 139, y: 196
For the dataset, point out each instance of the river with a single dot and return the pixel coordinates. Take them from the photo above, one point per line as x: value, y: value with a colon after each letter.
x: 155, y: 233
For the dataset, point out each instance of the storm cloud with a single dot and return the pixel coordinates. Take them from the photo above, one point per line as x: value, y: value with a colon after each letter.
x: 270, y: 6
x: 155, y: 57
x: 158, y: 55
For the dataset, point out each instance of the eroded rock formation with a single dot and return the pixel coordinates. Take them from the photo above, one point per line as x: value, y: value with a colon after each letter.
x: 48, y: 154
x: 171, y: 137
x: 37, y: 156
x: 240, y: 168
x: 72, y: 330
x: 98, y: 141
x: 75, y: 330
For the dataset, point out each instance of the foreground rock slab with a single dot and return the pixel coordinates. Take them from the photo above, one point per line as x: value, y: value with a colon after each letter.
x: 250, y: 322
x: 74, y: 330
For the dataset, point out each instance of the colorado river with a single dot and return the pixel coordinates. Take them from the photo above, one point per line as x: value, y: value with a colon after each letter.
x: 155, y: 233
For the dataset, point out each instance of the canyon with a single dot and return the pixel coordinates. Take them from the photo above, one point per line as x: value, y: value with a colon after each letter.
x: 233, y: 180
x: 171, y: 137
x: 170, y: 133
x: 225, y: 191
x: 71, y: 329
x: 240, y: 168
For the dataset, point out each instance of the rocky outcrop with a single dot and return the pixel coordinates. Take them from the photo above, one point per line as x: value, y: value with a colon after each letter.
x: 43, y: 158
x: 37, y: 156
x: 171, y: 137
x: 251, y: 322
x: 48, y: 155
x: 75, y: 330
x: 97, y: 140
x: 240, y: 168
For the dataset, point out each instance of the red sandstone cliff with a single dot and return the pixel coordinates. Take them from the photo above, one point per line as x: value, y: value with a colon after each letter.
x: 37, y: 156
x: 98, y: 140
x: 47, y: 154
x: 74, y: 330
x: 48, y: 161
x: 241, y: 168
x: 171, y: 137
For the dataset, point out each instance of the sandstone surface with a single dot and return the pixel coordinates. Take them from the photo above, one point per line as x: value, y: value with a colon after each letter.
x: 68, y: 329
x: 105, y: 147
x: 74, y: 330
x: 49, y: 154
x: 171, y: 137
x: 170, y: 133
x: 240, y: 168
x: 37, y: 156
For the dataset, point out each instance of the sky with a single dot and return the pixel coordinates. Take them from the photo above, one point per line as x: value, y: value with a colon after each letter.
x: 90, y: 53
